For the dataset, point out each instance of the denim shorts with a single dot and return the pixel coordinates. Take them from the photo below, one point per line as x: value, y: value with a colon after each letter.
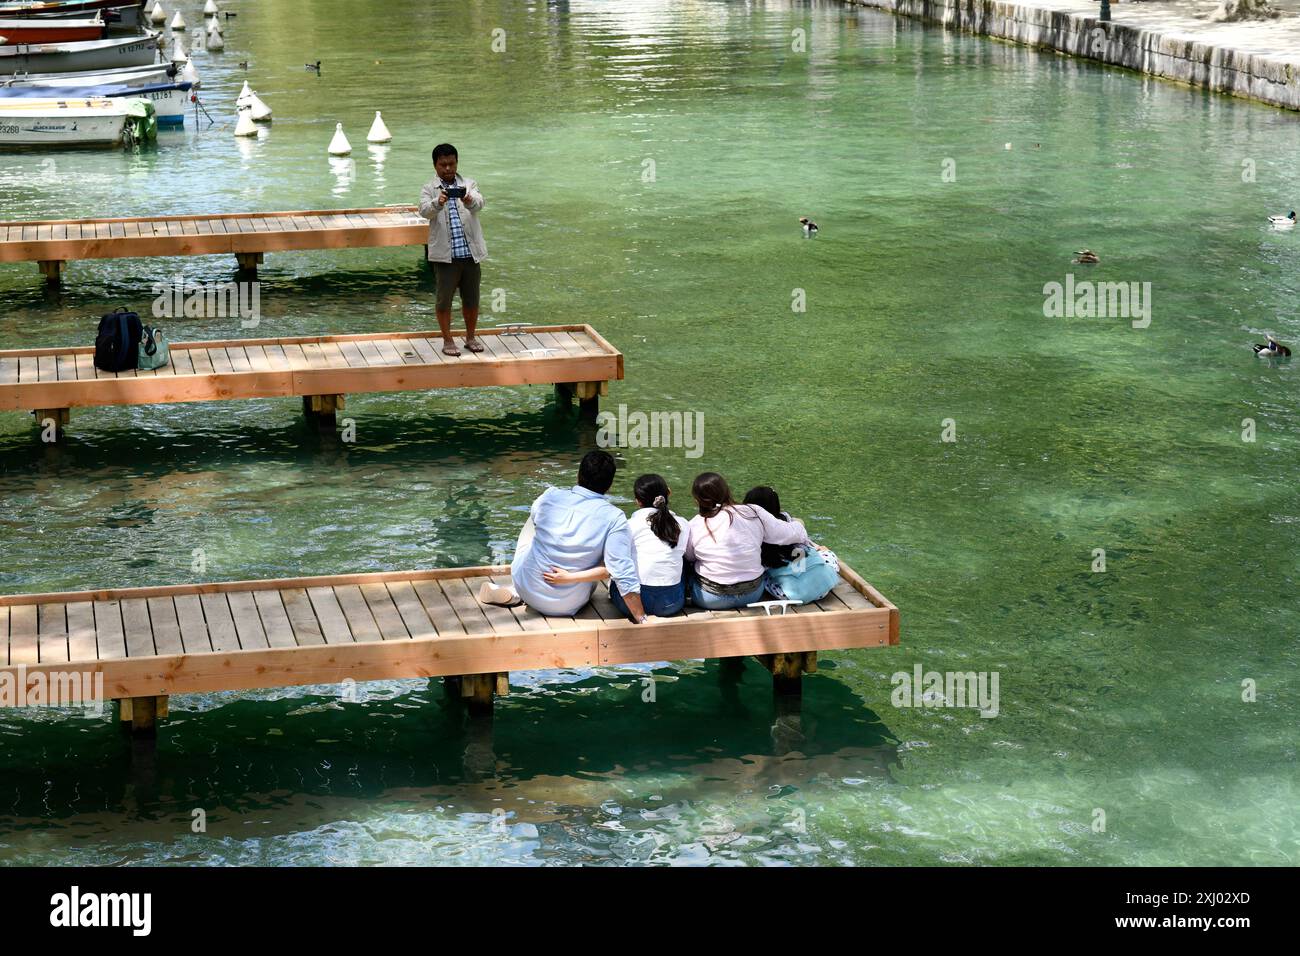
x: 660, y: 600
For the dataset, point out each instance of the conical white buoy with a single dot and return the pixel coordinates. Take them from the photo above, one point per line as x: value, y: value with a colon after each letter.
x: 378, y: 131
x: 178, y: 21
x: 260, y: 112
x: 339, y: 145
x: 214, y: 41
x: 245, y: 126
x: 157, y: 14
x: 215, y: 24
x: 244, y: 94
x: 189, y: 74
x: 210, y: 9
x: 178, y: 51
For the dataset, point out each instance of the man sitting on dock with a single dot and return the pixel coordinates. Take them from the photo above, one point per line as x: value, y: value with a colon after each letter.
x: 575, y: 529
x: 451, y: 203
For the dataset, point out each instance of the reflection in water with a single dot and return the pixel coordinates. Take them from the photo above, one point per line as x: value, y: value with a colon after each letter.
x: 344, y: 169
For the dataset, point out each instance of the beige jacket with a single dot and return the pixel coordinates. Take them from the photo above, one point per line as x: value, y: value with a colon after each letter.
x: 440, y: 223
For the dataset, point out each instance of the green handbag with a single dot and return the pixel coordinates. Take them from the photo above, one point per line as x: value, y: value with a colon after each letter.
x: 153, y: 348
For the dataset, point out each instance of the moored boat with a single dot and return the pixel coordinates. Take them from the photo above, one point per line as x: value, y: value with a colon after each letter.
x: 130, y: 14
x: 119, y: 17
x: 36, y: 30
x: 82, y: 55
x: 75, y: 122
x: 169, y: 99
x: 155, y: 75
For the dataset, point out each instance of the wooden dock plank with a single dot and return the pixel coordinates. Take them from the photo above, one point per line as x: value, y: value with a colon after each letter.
x: 385, y: 612
x: 135, y: 623
x: 81, y: 632
x: 166, y: 626
x: 333, y: 622
x: 248, y: 622
x: 52, y: 629
x: 109, y: 636
x: 221, y: 623
x: 24, y: 645
x: 275, y: 618
x: 306, y: 628
x: 414, y: 616
x: 194, y: 629
x: 360, y: 621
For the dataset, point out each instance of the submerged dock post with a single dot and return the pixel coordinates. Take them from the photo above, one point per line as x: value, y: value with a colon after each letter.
x: 480, y: 690
x: 249, y: 261
x: 322, y: 409
x: 142, y: 713
x: 589, y: 396
x: 52, y: 269
x: 788, y: 670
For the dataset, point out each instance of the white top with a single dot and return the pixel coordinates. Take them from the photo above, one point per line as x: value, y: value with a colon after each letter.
x: 657, y: 564
x: 729, y: 549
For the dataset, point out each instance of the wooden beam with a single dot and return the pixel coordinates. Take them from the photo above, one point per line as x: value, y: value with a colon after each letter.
x: 52, y: 269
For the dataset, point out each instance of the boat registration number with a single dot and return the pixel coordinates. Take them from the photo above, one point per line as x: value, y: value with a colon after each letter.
x: 8, y: 129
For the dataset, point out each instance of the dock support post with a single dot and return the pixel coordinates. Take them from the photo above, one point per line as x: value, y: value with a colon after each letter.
x: 55, y: 418
x: 479, y: 690
x: 249, y: 261
x: 589, y: 396
x: 564, y: 394
x: 322, y: 409
x: 52, y: 269
x: 788, y: 670
x: 142, y: 713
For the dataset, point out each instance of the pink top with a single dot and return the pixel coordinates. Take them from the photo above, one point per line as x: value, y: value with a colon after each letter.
x: 727, y: 548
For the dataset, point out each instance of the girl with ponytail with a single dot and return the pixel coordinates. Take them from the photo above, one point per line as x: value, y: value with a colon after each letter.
x: 659, y: 539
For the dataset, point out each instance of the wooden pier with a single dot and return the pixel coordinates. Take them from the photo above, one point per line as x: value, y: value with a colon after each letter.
x: 248, y: 236
x: 149, y: 643
x: 321, y: 369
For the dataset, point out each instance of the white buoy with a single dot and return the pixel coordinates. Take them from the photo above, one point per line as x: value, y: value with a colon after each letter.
x: 214, y: 41
x: 215, y: 24
x: 178, y: 21
x: 178, y: 51
x: 245, y: 126
x: 210, y: 9
x: 189, y: 74
x: 244, y: 94
x: 260, y: 112
x: 339, y: 145
x: 1008, y: 146
x: 378, y: 131
x: 157, y: 14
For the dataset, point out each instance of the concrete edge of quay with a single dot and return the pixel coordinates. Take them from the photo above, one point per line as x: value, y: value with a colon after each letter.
x: 1209, y: 66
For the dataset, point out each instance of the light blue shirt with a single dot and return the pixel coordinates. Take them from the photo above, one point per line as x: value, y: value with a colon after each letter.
x: 574, y: 529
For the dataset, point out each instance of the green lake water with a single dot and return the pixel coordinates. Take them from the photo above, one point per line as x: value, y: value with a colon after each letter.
x: 1120, y: 691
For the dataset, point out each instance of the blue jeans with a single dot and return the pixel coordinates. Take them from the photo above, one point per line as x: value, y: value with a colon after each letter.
x: 724, y: 602
x: 661, y: 600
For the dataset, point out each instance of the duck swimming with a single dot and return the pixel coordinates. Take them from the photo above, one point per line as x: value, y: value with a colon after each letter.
x: 809, y: 227
x: 314, y: 67
x: 1284, y: 221
x: 1274, y: 349
x: 1086, y: 255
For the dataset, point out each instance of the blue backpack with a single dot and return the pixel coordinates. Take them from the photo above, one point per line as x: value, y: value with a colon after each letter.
x: 809, y: 577
x: 117, y: 344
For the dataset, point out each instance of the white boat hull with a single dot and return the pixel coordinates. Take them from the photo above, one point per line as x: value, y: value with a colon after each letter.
x: 88, y: 55
x: 127, y: 76
x: 55, y: 130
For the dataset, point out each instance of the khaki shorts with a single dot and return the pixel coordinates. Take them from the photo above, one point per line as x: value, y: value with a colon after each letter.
x: 463, y: 274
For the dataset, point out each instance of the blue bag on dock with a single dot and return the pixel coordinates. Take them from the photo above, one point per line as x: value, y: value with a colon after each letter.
x: 809, y: 577
x: 153, y: 351
x: 117, y: 343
